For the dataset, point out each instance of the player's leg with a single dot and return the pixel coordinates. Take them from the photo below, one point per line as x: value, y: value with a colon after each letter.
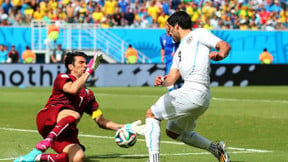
x: 68, y: 147
x: 65, y: 119
x: 182, y: 130
x: 152, y: 136
x: 159, y: 111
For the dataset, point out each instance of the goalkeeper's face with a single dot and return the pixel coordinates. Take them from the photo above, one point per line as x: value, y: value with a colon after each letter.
x: 79, y: 66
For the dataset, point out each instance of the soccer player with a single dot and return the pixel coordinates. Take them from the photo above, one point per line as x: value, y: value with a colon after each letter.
x: 70, y: 98
x: 168, y: 49
x: 182, y: 107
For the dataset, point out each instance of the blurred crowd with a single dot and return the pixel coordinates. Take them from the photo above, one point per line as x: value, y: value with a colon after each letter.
x: 210, y: 14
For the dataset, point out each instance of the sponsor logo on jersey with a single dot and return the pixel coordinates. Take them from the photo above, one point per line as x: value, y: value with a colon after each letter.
x: 189, y: 39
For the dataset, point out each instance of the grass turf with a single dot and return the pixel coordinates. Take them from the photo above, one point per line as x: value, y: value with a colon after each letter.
x: 244, y: 117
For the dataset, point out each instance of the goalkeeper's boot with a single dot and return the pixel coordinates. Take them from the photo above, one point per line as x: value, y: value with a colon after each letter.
x: 219, y: 151
x: 30, y: 157
x: 43, y: 145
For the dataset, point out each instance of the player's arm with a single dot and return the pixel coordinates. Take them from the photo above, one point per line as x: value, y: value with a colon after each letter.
x: 162, y: 55
x: 76, y: 86
x: 107, y: 124
x: 169, y: 79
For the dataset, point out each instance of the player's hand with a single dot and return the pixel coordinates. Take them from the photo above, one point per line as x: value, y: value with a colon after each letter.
x: 94, y: 62
x: 215, y: 56
x: 159, y: 80
x: 137, y: 127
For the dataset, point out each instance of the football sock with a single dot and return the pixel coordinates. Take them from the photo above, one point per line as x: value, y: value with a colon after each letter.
x: 60, y: 127
x: 154, y: 157
x: 194, y: 139
x: 63, y: 157
x: 152, y: 135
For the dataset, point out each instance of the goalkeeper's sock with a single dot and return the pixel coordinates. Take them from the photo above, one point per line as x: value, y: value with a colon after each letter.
x: 152, y: 135
x: 194, y: 139
x: 56, y: 131
x: 63, y: 157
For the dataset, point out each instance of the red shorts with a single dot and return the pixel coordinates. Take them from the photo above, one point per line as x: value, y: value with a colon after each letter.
x: 46, y: 121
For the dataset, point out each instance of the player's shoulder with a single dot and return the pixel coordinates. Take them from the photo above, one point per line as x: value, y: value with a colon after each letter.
x: 63, y: 75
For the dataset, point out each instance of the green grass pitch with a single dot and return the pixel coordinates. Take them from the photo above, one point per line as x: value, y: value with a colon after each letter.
x: 251, y: 120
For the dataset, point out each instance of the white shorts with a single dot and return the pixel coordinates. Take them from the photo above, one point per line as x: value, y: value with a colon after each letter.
x: 180, y: 108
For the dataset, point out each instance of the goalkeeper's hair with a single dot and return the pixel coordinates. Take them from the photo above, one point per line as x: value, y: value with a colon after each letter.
x: 70, y: 58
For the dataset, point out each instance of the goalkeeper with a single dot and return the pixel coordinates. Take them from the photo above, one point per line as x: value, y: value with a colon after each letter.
x: 70, y: 98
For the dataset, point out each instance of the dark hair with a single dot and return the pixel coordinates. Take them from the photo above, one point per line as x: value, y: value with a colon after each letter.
x: 70, y: 58
x: 181, y: 18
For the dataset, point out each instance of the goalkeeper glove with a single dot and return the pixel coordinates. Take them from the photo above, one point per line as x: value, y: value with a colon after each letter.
x: 94, y: 62
x: 136, y: 127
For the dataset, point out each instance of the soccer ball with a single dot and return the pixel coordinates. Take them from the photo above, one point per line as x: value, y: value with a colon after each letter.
x: 125, y: 137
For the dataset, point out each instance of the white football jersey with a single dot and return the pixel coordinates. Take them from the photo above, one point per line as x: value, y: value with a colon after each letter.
x: 192, y: 56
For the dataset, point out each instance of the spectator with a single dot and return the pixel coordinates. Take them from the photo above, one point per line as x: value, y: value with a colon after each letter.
x: 3, y: 54
x: 162, y: 18
x: 58, y: 55
x: 97, y: 15
x: 129, y: 17
x: 123, y: 4
x: 109, y: 7
x: 7, y: 6
x: 131, y: 55
x: 28, y: 56
x: 153, y: 10
x: 14, y: 55
x: 266, y: 57
x: 117, y: 17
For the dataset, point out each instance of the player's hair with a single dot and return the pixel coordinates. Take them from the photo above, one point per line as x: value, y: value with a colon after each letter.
x: 70, y: 58
x: 181, y: 18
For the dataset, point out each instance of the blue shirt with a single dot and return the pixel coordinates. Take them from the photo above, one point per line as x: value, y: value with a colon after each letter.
x: 169, y: 47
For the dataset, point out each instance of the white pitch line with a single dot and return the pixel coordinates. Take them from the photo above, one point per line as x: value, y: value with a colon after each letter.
x: 213, y: 98
x: 249, y: 100
x: 164, y: 142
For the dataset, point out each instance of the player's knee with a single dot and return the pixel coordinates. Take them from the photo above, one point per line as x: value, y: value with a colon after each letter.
x: 79, y: 157
x: 67, y: 112
x: 172, y: 134
x: 149, y: 114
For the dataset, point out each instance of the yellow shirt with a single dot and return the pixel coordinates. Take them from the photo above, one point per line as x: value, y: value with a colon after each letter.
x: 43, y: 7
x: 97, y: 16
x: 153, y: 12
x: 109, y: 7
x: 62, y: 16
x: 207, y: 26
x: 17, y: 2
x: 162, y: 19
x: 283, y: 16
x: 37, y: 15
x: 52, y: 4
x: 195, y: 15
x: 28, y: 11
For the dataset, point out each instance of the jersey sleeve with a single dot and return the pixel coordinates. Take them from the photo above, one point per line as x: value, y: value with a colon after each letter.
x: 60, y: 81
x: 207, y: 38
x: 92, y: 105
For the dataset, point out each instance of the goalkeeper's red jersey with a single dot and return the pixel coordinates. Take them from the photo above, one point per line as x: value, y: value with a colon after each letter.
x: 82, y: 102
